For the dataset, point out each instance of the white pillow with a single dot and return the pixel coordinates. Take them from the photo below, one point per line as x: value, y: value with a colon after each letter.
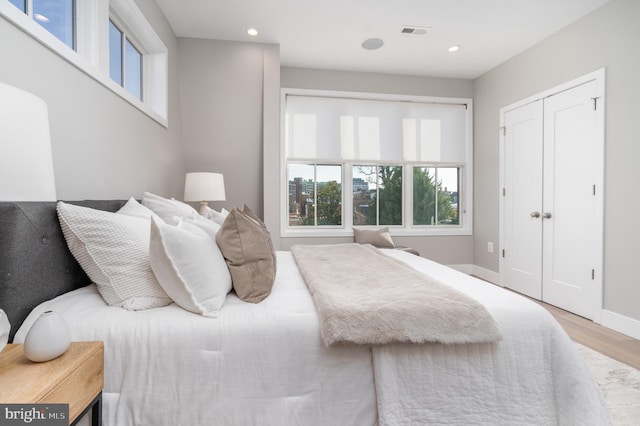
x: 168, y: 209
x: 134, y: 208
x: 217, y: 217
x: 113, y: 249
x: 189, y: 266
x: 209, y: 226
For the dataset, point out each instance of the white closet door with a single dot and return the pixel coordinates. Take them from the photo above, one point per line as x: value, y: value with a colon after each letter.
x: 522, y: 240
x: 569, y: 203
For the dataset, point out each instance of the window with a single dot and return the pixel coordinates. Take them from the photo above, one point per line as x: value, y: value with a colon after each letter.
x: 435, y: 195
x: 397, y: 161
x: 315, y: 195
x: 125, y: 62
x: 56, y: 16
x: 135, y: 68
x: 377, y: 195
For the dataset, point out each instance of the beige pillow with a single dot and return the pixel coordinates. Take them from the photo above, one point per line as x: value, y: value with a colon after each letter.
x: 380, y: 238
x: 247, y: 249
x: 246, y: 210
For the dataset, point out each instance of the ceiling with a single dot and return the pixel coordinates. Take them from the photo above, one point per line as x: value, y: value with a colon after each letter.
x: 328, y: 34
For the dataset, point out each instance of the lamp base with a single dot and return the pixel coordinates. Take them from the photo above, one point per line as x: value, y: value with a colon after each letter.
x: 203, y: 209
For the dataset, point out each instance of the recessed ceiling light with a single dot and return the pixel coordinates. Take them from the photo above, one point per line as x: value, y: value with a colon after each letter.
x: 372, y: 44
x: 454, y: 48
x: 252, y: 32
x: 40, y: 18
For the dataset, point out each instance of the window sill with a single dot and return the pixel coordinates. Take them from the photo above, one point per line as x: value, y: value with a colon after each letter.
x: 395, y: 232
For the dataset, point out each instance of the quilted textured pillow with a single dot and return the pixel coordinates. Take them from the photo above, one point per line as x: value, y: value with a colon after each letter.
x: 189, y: 266
x: 113, y: 250
x: 380, y: 238
x: 247, y: 249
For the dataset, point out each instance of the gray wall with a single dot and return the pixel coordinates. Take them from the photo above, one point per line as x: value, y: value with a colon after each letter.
x: 447, y: 250
x: 102, y: 146
x: 228, y: 121
x: 221, y: 85
x: 605, y: 38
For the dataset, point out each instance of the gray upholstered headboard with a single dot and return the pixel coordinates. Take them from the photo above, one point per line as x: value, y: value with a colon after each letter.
x: 35, y: 263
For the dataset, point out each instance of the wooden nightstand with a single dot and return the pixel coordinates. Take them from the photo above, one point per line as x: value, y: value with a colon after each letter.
x: 75, y: 378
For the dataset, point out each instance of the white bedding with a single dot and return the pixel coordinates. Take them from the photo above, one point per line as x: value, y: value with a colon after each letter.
x: 256, y: 364
x: 534, y: 376
x: 265, y: 364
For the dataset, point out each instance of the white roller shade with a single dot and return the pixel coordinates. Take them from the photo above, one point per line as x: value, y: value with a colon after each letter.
x: 324, y: 128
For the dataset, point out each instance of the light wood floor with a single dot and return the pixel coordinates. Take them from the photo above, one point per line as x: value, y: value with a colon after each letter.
x: 604, y: 340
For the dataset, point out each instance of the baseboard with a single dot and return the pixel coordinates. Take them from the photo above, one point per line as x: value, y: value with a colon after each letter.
x: 487, y: 275
x: 478, y: 271
x: 620, y: 323
x: 609, y: 319
x: 464, y: 268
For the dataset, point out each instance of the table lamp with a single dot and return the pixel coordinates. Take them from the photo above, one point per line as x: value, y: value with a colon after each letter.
x: 204, y: 187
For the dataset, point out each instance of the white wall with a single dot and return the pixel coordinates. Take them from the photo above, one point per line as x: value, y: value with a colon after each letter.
x: 605, y: 38
x: 447, y: 250
x: 102, y: 146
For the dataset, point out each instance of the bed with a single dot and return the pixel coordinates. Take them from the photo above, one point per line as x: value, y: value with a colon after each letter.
x: 266, y: 363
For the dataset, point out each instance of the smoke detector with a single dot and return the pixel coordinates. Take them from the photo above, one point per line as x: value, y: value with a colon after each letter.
x: 413, y: 30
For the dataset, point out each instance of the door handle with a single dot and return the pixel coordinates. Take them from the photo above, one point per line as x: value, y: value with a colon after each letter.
x: 546, y: 215
x: 535, y: 214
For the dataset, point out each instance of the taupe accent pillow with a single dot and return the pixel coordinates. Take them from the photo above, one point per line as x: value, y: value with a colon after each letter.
x: 247, y: 249
x: 246, y: 210
x: 380, y: 238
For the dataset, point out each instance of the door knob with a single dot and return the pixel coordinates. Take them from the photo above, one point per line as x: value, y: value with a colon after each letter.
x: 535, y: 214
x: 546, y: 215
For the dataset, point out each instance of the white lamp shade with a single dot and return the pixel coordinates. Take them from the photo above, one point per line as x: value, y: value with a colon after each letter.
x: 202, y: 186
x: 26, y: 163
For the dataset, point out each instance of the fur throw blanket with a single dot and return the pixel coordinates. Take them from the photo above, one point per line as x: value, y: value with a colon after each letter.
x: 365, y: 297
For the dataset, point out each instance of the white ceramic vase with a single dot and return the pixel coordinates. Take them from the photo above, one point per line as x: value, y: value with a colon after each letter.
x: 48, y: 338
x: 5, y: 329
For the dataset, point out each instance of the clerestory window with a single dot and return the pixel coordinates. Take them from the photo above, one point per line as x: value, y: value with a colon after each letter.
x: 56, y: 16
x: 125, y: 61
x: 111, y: 41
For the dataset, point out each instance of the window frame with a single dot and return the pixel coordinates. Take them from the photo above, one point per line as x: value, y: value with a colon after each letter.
x: 124, y: 39
x: 30, y: 12
x: 92, y: 48
x: 379, y: 164
x: 315, y: 190
x: 465, y: 182
x: 458, y: 166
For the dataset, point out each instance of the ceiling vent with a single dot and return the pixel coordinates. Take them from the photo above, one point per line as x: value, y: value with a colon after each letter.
x: 417, y: 31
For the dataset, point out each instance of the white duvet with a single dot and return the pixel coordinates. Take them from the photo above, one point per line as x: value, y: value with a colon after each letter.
x: 265, y: 364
